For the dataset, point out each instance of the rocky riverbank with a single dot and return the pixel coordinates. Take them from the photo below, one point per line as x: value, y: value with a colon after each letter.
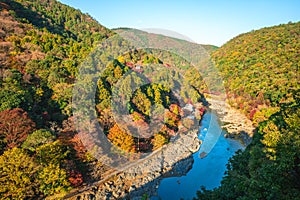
x: 237, y: 125
x: 142, y: 179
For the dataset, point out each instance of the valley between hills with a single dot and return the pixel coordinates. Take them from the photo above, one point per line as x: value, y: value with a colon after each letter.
x: 82, y: 106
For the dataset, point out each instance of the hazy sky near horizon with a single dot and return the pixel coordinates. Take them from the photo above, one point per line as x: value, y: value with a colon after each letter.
x: 204, y: 21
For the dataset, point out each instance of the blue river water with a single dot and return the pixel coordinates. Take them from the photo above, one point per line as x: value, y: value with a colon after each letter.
x: 207, y: 171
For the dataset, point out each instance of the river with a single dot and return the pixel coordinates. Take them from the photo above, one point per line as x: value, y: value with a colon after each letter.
x: 207, y: 171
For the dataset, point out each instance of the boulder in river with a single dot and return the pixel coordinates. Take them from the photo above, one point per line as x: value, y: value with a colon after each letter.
x: 203, y: 154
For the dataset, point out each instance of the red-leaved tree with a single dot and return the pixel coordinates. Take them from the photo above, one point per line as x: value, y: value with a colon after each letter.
x: 15, y: 125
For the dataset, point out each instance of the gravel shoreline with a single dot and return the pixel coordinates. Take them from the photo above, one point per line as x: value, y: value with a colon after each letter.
x: 237, y: 125
x: 174, y: 159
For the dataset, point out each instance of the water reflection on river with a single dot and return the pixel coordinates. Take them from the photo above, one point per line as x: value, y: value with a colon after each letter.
x: 206, y: 172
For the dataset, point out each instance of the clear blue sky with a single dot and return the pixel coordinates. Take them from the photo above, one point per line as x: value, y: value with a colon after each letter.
x: 204, y: 21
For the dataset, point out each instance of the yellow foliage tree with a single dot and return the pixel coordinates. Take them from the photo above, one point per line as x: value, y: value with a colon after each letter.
x: 158, y: 141
x: 17, y: 175
x: 53, y: 179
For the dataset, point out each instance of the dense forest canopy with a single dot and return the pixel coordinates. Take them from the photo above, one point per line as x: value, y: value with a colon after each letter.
x: 42, y: 44
x: 261, y: 73
x: 261, y: 68
x: 142, y: 85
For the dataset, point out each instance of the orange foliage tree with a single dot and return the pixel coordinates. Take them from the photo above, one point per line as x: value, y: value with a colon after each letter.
x: 121, y: 139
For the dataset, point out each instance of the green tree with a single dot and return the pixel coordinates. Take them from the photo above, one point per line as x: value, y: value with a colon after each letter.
x: 54, y: 153
x: 38, y: 138
x: 62, y: 94
x: 12, y: 93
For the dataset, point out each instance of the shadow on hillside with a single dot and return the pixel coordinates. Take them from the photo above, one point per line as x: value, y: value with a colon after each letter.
x: 26, y: 15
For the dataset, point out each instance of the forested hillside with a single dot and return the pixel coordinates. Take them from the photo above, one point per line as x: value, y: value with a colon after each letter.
x: 41, y: 49
x: 261, y: 68
x: 42, y: 43
x: 184, y: 55
x: 261, y: 73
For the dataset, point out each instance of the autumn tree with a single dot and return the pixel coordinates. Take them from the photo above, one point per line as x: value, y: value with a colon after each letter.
x: 15, y: 125
x: 159, y: 140
x: 171, y: 120
x: 53, y: 179
x: 17, y: 175
x: 121, y: 139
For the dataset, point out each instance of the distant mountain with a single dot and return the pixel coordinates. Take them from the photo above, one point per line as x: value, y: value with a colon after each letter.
x: 195, y: 54
x: 168, y: 33
x: 164, y: 35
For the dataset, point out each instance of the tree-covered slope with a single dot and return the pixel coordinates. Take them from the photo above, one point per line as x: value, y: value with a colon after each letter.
x: 261, y: 70
x: 261, y: 67
x: 180, y: 54
x: 42, y: 44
